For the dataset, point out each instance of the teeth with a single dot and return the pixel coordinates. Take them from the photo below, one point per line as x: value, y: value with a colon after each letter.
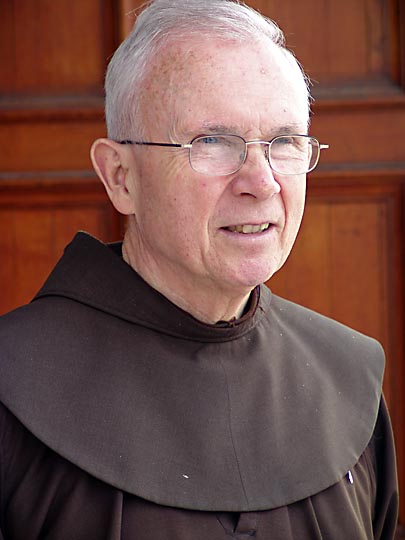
x: 249, y: 229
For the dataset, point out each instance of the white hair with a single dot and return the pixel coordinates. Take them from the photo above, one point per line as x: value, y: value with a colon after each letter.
x: 161, y: 21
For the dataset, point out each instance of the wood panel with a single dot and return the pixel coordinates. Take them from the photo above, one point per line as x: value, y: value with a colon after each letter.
x: 344, y: 46
x: 37, y: 219
x: 48, y: 145
x: 54, y: 48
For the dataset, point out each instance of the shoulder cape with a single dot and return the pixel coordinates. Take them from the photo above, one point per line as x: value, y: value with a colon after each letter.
x: 241, y: 416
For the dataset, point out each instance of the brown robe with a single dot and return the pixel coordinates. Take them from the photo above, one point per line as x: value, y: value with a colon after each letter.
x: 137, y: 421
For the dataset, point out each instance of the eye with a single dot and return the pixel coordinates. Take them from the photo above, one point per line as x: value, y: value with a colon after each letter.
x: 284, y: 140
x: 210, y: 139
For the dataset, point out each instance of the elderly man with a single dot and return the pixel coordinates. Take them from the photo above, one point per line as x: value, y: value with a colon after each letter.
x: 155, y: 389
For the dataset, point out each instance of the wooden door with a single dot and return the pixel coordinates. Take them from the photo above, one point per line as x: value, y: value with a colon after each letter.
x: 348, y: 262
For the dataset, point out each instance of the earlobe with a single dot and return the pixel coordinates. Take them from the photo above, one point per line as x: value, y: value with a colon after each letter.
x: 108, y: 161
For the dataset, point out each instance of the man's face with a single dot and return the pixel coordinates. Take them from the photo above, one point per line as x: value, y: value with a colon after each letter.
x: 187, y: 225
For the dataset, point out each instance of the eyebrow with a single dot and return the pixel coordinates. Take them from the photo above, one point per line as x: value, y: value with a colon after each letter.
x: 220, y: 128
x: 214, y: 128
x: 292, y: 128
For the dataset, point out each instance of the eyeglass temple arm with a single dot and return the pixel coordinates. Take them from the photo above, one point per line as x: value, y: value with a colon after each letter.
x: 171, y: 145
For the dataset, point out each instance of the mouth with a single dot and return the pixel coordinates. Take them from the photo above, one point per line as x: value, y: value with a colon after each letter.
x: 248, y: 229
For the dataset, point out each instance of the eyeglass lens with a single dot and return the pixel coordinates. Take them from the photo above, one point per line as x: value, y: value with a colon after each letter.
x: 225, y: 154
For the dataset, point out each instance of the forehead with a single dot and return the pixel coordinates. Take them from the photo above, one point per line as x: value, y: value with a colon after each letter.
x: 243, y: 87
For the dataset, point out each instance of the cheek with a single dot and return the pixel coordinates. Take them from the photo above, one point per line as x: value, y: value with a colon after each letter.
x: 294, y: 204
x: 174, y: 207
x: 174, y: 201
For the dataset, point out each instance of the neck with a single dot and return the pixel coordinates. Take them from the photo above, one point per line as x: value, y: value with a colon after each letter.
x: 204, y: 302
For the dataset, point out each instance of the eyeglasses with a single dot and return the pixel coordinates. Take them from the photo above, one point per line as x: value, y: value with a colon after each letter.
x: 221, y: 155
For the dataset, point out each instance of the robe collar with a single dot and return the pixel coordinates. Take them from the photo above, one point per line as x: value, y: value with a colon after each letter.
x: 87, y: 263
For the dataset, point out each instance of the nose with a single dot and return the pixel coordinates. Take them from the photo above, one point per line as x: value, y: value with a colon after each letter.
x: 256, y: 177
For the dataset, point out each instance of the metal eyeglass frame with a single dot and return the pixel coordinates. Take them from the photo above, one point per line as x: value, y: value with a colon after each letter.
x: 247, y: 143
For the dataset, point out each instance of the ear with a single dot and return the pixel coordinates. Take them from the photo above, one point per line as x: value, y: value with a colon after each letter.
x: 110, y: 161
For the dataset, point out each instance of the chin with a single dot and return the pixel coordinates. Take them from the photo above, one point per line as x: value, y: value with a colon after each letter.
x: 253, y: 273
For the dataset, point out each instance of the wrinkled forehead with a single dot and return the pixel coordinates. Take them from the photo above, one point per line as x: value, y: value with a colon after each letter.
x: 209, y: 80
